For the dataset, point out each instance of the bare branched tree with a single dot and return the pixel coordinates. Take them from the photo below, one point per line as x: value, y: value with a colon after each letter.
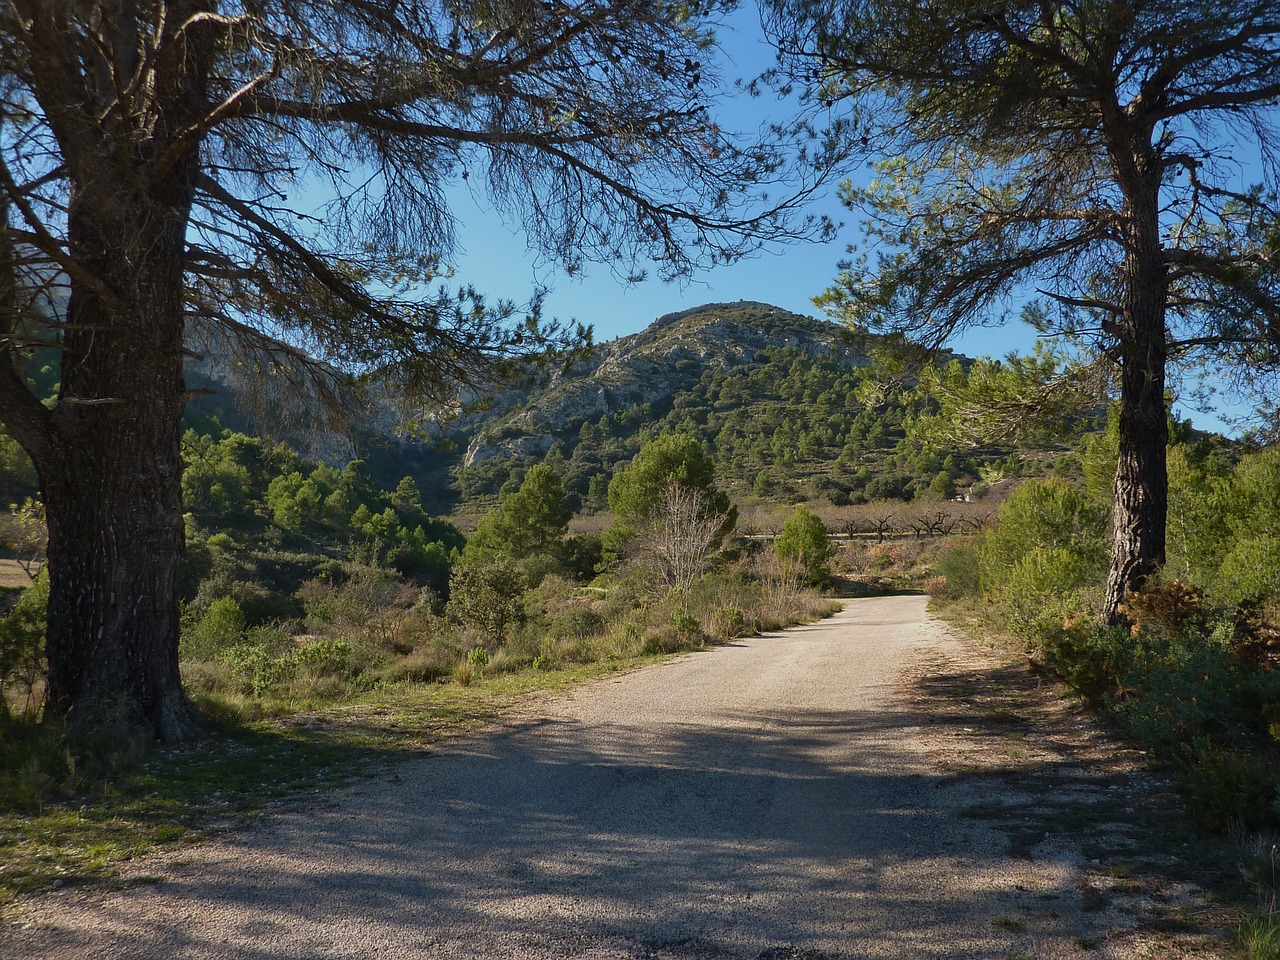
x: 23, y: 527
x: 277, y: 172
x: 681, y: 538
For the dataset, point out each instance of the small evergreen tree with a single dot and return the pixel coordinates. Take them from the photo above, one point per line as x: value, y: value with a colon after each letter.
x: 636, y: 492
x: 804, y: 548
x: 530, y: 522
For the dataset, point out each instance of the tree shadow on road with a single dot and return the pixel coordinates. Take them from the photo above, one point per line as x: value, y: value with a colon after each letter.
x: 805, y: 836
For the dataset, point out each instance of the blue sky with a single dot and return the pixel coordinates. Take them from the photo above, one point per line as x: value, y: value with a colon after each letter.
x: 494, y: 257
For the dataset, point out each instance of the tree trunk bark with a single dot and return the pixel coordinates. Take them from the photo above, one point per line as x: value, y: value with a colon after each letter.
x: 114, y: 508
x: 112, y: 479
x: 1139, y: 510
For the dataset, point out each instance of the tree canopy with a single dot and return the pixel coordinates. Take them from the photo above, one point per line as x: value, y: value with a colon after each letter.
x: 1109, y: 168
x: 638, y: 490
x: 530, y: 521
x: 266, y: 180
x: 803, y: 546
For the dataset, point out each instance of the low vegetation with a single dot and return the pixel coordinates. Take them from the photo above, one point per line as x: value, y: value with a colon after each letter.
x: 328, y: 623
x: 1191, y: 674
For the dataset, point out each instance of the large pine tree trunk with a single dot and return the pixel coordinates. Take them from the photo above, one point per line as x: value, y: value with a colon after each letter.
x: 1138, y: 513
x: 115, y: 541
x: 111, y: 478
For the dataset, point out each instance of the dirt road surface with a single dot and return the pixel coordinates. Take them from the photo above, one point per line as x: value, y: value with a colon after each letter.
x: 777, y: 798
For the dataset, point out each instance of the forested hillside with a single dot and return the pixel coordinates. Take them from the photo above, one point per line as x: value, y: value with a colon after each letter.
x: 788, y: 407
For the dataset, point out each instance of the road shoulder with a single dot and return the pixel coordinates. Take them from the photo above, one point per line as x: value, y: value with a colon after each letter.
x: 1021, y: 755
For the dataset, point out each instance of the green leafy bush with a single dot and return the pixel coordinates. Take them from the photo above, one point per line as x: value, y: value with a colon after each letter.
x: 1038, y: 589
x: 220, y: 629
x: 1045, y: 515
x: 1179, y: 689
x: 1176, y: 680
x: 22, y: 661
x: 472, y: 666
x: 1228, y: 786
x: 487, y: 595
x: 687, y: 624
x: 960, y: 568
x: 324, y: 657
x: 265, y: 661
x: 1088, y: 657
x: 1045, y: 556
x: 575, y: 622
x: 804, y: 548
x: 256, y: 670
x: 728, y: 622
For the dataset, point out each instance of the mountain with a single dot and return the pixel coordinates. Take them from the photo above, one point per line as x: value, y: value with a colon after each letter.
x: 783, y: 402
x: 650, y: 368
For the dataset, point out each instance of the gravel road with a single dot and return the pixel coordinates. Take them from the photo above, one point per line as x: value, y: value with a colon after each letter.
x: 772, y: 799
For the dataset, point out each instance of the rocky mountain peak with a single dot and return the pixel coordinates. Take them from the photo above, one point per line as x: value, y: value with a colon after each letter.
x: 649, y: 367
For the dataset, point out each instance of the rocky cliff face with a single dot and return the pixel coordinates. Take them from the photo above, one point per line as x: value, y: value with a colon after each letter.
x: 649, y: 367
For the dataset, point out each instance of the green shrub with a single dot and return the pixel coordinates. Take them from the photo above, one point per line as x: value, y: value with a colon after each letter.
x: 220, y: 629
x: 262, y: 663
x: 1250, y: 571
x: 804, y: 548
x: 220, y: 541
x: 1089, y: 658
x: 1229, y: 786
x: 575, y: 622
x: 960, y: 568
x: 1045, y: 515
x: 257, y: 603
x: 487, y: 595
x: 1183, y: 688
x: 1038, y: 588
x: 686, y: 624
x: 728, y: 622
x: 354, y: 599
x: 547, y: 657
x: 1176, y: 684
x: 472, y: 666
x: 324, y: 658
x: 22, y: 660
